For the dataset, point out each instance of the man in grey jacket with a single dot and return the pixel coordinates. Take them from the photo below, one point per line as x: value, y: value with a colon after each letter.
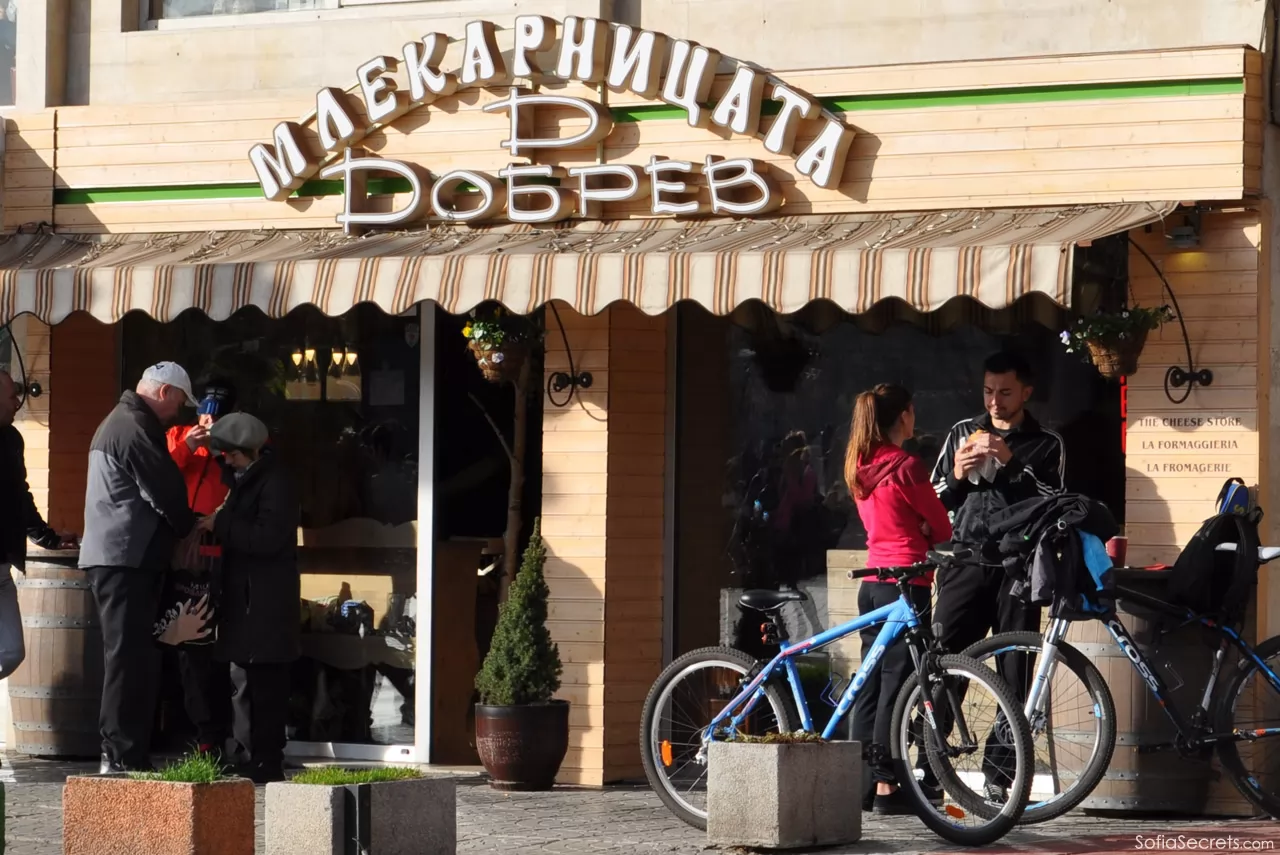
x: 135, y: 513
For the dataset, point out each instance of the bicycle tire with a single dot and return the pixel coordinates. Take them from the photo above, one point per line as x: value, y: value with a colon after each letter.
x: 1224, y: 722
x: 728, y: 656
x: 1104, y: 708
x: 998, y: 824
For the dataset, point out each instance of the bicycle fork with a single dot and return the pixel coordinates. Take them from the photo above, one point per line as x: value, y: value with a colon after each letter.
x: 1039, y: 693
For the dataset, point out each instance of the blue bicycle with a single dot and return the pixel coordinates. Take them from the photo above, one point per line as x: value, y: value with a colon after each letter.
x: 947, y: 712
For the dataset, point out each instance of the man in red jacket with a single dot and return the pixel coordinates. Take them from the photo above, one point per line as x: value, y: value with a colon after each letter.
x: 205, y: 684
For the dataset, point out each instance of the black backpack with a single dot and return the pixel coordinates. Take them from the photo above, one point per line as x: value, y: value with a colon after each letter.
x: 1214, y: 583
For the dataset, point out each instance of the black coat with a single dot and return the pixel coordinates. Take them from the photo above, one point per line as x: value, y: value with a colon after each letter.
x: 19, y: 519
x: 258, y: 529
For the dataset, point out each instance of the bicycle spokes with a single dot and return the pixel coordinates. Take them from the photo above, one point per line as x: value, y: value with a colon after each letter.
x: 681, y: 729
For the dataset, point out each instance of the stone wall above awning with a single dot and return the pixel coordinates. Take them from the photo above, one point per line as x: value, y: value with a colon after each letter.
x: 925, y: 260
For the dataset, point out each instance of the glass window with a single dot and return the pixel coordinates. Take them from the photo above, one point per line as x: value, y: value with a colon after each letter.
x: 764, y: 409
x: 8, y: 51
x: 340, y: 396
x: 198, y: 8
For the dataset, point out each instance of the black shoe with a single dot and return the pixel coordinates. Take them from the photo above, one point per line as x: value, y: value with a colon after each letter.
x: 869, y: 800
x: 115, y: 767
x: 894, y: 804
x: 932, y: 791
x: 260, y: 773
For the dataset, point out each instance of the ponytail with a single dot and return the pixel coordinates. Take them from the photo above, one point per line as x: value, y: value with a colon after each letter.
x: 874, y: 414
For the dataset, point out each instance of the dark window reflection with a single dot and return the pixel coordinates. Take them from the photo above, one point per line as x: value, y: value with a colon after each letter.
x: 770, y: 397
x: 340, y: 395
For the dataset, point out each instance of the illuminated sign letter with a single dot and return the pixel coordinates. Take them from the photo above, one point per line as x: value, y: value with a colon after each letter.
x: 655, y: 168
x: 591, y: 198
x: 534, y: 34
x: 333, y: 120
x: 426, y: 82
x: 481, y: 60
x: 283, y: 167
x: 742, y: 172
x: 599, y: 122
x: 355, y: 196
x: 690, y: 72
x: 739, y: 107
x: 492, y: 196
x: 635, y: 65
x: 558, y: 203
x: 583, y: 46
x: 781, y: 138
x: 823, y: 161
x: 382, y: 103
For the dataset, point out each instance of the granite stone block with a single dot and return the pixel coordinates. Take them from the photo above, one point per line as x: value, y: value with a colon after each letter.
x: 784, y: 796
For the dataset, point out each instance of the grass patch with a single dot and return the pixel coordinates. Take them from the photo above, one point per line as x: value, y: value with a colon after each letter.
x: 336, y: 776
x: 800, y: 737
x: 193, y: 769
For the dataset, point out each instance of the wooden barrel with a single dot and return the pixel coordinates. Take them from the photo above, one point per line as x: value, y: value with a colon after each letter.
x: 1161, y: 782
x: 55, y: 695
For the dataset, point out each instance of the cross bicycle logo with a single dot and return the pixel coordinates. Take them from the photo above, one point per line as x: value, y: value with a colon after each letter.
x: 869, y: 666
x: 1118, y: 633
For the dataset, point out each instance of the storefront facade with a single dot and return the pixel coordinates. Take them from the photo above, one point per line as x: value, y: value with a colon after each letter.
x: 191, y: 162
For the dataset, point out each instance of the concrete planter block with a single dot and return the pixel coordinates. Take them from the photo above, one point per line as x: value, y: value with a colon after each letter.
x: 116, y: 815
x: 414, y: 817
x: 784, y: 796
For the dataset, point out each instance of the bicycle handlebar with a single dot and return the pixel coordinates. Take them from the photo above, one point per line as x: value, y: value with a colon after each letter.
x: 933, y: 560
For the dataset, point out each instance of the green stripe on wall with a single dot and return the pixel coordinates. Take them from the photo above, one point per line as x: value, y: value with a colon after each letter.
x: 659, y: 112
x: 977, y: 97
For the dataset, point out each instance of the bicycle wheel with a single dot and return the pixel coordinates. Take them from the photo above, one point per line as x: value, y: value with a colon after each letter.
x: 1074, y: 736
x: 985, y: 696
x: 1249, y: 703
x: 682, y: 702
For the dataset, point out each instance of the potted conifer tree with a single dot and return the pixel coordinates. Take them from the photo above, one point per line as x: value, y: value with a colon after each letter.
x: 522, y: 733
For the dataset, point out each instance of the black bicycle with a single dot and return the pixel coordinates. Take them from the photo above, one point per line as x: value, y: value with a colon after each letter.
x: 1215, y: 725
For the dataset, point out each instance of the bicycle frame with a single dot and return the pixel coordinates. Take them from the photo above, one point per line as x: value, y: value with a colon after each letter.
x: 897, y: 617
x: 1192, y: 736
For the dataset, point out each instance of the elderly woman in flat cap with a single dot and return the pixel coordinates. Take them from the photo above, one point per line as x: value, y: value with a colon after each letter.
x: 257, y: 527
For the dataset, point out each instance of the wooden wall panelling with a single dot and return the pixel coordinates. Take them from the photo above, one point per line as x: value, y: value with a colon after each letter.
x: 574, y: 502
x: 1178, y: 455
x: 84, y: 385
x: 637, y: 468
x: 912, y: 159
x: 30, y: 155
x: 1177, y: 146
x: 602, y: 517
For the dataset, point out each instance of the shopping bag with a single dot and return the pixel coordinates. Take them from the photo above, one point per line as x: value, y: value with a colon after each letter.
x: 191, y: 581
x: 186, y: 555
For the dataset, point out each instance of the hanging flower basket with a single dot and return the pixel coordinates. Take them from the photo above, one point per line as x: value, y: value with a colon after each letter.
x: 1113, y: 341
x: 499, y: 341
x: 499, y: 364
x: 1118, y: 357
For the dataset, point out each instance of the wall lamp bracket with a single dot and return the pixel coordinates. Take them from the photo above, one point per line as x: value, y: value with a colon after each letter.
x: 1179, y: 377
x: 561, y: 381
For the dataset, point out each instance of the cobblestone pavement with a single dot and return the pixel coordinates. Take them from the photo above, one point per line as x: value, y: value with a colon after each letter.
x: 631, y: 819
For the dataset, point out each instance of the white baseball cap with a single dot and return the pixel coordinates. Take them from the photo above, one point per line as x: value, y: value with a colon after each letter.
x: 170, y: 374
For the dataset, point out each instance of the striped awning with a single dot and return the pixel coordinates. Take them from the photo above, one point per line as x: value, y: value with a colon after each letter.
x: 991, y: 256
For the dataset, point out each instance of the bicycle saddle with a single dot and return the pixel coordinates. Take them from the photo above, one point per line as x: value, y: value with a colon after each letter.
x: 1265, y: 553
x: 767, y: 601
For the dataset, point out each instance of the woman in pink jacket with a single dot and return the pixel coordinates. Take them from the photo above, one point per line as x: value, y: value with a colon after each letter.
x: 903, y: 517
